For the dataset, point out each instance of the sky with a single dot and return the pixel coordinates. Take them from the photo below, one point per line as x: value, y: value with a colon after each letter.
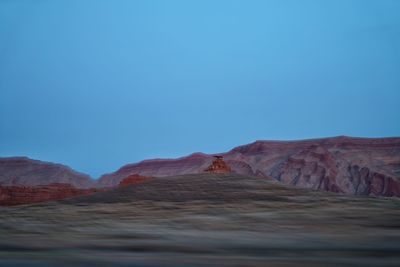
x: 98, y: 84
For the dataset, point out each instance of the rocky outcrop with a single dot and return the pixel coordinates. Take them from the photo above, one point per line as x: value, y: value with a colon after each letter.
x: 312, y: 168
x: 134, y: 179
x: 17, y: 195
x: 22, y: 171
x: 360, y: 166
x: 218, y: 166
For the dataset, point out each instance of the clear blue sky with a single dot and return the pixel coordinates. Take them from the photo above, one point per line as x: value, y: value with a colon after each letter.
x: 97, y: 84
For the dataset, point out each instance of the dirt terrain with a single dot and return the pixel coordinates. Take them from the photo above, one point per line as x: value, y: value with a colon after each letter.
x: 204, y: 220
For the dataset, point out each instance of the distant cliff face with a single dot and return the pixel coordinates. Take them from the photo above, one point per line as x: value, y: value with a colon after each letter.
x: 347, y: 165
x: 21, y: 171
x: 360, y: 166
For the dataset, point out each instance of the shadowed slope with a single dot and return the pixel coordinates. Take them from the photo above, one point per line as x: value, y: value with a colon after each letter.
x: 193, y: 187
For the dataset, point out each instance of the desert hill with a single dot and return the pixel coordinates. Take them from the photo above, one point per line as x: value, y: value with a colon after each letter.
x: 357, y: 166
x: 23, y: 171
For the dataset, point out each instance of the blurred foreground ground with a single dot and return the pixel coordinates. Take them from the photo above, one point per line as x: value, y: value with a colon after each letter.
x: 204, y: 220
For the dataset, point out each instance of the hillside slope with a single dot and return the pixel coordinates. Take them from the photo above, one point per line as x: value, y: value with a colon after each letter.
x: 22, y: 171
x: 226, y: 187
x: 359, y: 166
x: 204, y: 220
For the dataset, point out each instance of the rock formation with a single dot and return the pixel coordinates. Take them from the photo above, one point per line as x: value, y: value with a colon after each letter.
x: 134, y: 179
x: 218, y: 166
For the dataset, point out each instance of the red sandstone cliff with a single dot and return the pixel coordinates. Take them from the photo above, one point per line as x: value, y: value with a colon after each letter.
x: 17, y: 195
